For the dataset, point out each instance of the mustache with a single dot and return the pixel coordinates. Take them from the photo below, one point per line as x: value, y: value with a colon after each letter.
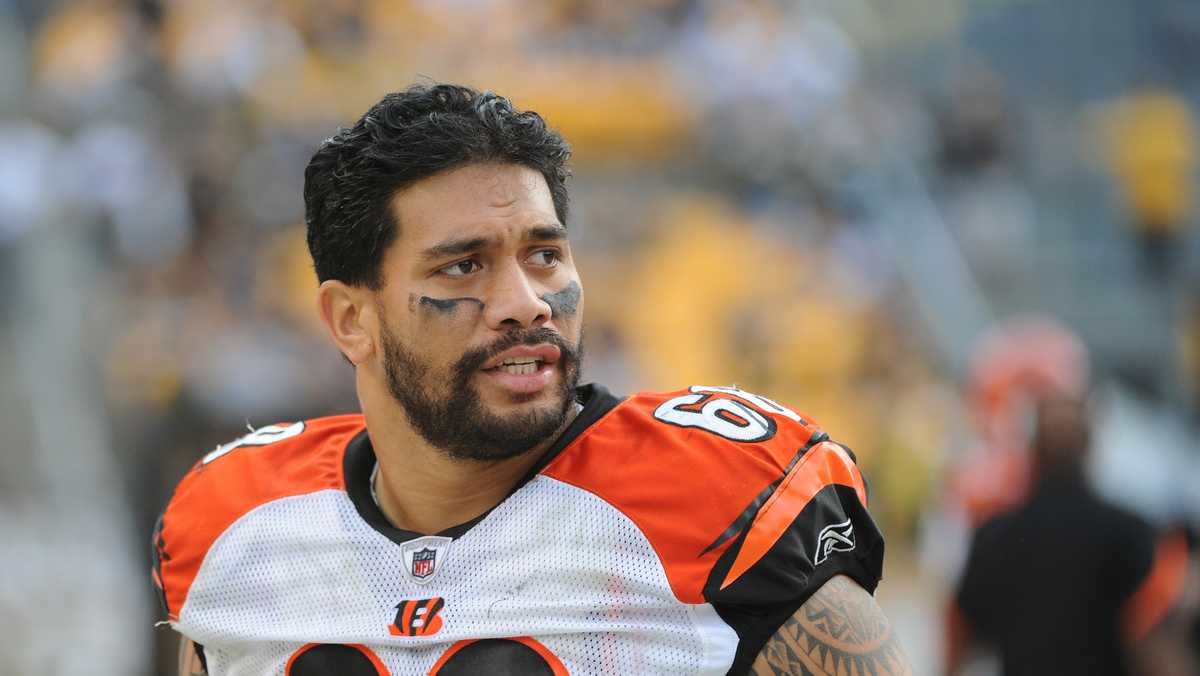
x: 473, y: 360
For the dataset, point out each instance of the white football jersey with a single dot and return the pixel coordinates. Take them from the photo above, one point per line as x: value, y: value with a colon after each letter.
x: 663, y: 534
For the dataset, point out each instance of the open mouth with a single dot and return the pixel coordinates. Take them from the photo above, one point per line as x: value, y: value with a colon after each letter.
x: 519, y: 366
x: 524, y: 359
x: 524, y: 369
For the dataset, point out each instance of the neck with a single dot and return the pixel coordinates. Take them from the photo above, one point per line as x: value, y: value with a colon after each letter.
x: 421, y: 489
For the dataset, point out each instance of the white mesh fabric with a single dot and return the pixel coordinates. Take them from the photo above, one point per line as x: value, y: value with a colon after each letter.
x: 552, y: 562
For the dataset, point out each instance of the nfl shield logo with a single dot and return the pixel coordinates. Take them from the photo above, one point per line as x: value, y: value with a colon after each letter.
x: 423, y: 562
x: 425, y: 557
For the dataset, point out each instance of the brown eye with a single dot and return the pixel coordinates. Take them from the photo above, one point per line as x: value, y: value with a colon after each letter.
x: 460, y: 269
x: 544, y: 257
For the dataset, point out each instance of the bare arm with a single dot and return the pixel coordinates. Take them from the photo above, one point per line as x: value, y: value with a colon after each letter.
x: 840, y: 630
x: 189, y: 661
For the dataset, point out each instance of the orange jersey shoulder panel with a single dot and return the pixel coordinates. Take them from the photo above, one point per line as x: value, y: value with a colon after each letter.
x: 685, y: 485
x: 824, y: 465
x: 271, y: 463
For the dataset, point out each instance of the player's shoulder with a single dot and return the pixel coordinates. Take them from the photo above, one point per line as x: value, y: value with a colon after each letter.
x: 268, y: 464
x: 728, y: 412
x: 704, y: 430
x: 693, y: 468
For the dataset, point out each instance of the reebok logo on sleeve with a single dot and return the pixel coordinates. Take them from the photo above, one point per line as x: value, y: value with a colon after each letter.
x: 836, y: 538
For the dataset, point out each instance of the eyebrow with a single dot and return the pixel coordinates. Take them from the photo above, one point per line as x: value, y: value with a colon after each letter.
x: 546, y: 233
x: 466, y: 245
x: 454, y: 247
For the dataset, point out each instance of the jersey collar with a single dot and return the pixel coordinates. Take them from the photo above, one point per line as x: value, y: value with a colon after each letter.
x: 359, y: 462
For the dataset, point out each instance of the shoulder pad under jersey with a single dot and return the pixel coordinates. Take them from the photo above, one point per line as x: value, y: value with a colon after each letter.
x: 270, y: 463
x: 705, y: 469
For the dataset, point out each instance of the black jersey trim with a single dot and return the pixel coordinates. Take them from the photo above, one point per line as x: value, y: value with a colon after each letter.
x: 597, y: 401
x: 158, y: 553
x: 757, y: 604
x: 359, y: 462
x: 747, y: 516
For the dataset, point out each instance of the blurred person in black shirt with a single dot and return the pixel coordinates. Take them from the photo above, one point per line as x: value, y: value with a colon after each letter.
x: 1066, y: 583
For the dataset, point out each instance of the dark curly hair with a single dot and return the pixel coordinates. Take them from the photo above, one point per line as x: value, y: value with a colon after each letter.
x: 408, y: 136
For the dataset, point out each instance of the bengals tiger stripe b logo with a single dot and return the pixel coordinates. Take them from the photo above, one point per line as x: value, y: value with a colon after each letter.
x: 418, y: 618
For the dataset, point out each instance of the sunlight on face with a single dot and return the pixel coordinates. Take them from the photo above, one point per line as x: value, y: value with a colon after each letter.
x: 482, y: 310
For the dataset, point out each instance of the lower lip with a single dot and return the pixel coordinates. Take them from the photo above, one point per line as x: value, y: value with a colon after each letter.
x: 526, y: 383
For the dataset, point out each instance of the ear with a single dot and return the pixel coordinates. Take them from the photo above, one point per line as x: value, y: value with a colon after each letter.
x: 350, y: 317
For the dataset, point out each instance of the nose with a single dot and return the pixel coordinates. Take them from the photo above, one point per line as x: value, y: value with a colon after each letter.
x: 513, y: 302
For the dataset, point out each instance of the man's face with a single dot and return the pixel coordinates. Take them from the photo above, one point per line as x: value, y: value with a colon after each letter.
x: 481, y: 311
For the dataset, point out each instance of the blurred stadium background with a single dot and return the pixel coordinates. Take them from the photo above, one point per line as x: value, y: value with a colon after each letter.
x: 826, y: 201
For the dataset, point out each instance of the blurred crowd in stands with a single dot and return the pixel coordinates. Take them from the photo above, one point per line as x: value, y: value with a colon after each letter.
x: 826, y: 202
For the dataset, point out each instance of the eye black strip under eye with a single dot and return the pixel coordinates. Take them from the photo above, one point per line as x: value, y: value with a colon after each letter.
x: 448, y: 304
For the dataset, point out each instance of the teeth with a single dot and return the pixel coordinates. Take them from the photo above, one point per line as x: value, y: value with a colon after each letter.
x: 522, y: 369
x: 519, y: 360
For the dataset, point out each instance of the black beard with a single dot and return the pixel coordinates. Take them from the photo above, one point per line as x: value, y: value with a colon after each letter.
x: 458, y: 424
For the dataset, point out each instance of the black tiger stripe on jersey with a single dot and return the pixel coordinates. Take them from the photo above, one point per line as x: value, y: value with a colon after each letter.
x: 747, y: 516
x: 754, y: 606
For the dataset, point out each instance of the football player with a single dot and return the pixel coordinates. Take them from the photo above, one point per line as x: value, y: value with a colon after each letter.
x: 486, y: 513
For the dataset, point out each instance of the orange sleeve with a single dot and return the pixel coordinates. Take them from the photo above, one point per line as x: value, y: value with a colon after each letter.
x: 230, y: 482
x: 1160, y: 590
x: 688, y: 488
x: 826, y: 464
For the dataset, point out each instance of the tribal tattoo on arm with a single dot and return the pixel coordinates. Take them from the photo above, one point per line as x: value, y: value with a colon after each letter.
x: 840, y: 631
